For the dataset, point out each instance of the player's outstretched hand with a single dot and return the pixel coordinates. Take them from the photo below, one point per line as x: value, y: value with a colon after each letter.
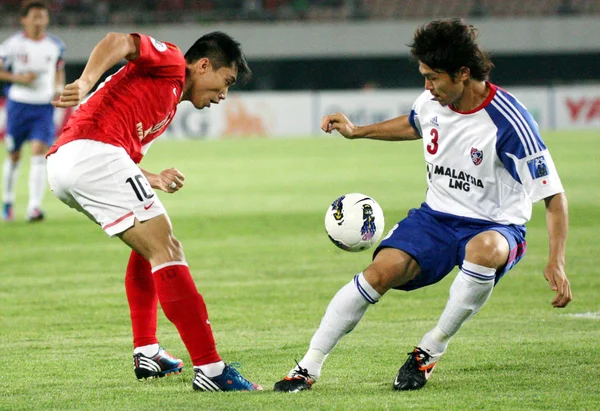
x: 73, y: 94
x: 339, y: 122
x: 170, y: 180
x: 558, y: 282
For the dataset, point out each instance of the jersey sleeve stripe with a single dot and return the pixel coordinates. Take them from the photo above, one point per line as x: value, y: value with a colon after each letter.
x: 521, y: 127
x: 411, y: 120
x: 516, y: 128
x: 510, y: 106
x: 59, y: 43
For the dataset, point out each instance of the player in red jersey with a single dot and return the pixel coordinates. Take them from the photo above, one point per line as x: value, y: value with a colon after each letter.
x: 93, y: 168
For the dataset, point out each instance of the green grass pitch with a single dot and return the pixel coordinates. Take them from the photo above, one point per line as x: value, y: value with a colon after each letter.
x: 251, y: 221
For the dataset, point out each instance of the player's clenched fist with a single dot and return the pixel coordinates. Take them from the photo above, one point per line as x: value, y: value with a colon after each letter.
x: 73, y: 94
x: 339, y: 122
x: 170, y: 180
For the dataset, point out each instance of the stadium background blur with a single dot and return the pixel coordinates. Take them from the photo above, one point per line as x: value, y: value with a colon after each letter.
x: 344, y: 44
x: 313, y: 48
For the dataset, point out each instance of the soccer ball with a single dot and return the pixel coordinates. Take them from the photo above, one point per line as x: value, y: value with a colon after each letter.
x: 354, y: 222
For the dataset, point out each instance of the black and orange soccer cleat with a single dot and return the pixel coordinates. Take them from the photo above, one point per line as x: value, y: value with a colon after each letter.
x: 415, y: 372
x: 297, y: 380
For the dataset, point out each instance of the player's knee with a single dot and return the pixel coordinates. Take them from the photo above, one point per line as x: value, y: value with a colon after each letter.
x: 15, y: 156
x: 488, y: 250
x: 167, y: 250
x: 391, y: 268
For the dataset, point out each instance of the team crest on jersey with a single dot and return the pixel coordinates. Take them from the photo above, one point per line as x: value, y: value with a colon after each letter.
x: 368, y: 228
x: 476, y: 156
x: 158, y: 45
x: 538, y: 167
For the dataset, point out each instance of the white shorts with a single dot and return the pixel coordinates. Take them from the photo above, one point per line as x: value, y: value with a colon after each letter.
x: 101, y: 181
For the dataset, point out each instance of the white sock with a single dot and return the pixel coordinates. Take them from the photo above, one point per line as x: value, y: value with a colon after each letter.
x: 37, y: 182
x: 147, y: 350
x: 470, y: 290
x: 211, y: 370
x: 10, y: 172
x: 344, y: 312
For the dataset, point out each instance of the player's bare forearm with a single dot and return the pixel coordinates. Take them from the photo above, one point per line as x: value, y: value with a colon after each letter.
x: 108, y: 52
x: 113, y: 48
x: 557, y: 222
x: 151, y: 177
x: 23, y: 79
x: 396, y: 129
x: 5, y: 76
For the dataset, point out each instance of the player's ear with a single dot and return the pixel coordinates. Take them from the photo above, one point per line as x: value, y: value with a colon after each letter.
x: 464, y: 73
x: 202, y: 65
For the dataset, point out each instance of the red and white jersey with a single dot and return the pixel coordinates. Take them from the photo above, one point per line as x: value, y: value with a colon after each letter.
x: 489, y: 163
x: 134, y: 106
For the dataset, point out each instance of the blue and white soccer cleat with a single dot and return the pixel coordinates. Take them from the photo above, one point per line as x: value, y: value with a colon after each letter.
x: 7, y: 212
x: 229, y: 380
x: 158, y: 366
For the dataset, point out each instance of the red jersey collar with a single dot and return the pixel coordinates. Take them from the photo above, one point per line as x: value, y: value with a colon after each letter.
x: 487, y: 101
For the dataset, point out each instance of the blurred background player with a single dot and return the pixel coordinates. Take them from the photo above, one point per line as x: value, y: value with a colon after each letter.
x: 32, y: 60
x: 486, y: 164
x: 102, y: 144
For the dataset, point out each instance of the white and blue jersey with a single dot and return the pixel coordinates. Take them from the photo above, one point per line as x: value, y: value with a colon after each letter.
x: 21, y: 54
x: 489, y: 163
x: 29, y: 112
x: 485, y: 168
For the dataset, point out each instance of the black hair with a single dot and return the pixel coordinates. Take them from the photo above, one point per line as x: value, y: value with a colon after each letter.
x: 28, y: 5
x: 221, y: 50
x: 449, y: 45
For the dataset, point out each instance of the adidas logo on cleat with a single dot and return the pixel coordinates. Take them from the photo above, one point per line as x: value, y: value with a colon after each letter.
x: 160, y: 365
x: 229, y: 380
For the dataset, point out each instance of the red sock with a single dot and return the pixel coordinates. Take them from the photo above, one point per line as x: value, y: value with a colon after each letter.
x: 184, y: 307
x: 143, y: 301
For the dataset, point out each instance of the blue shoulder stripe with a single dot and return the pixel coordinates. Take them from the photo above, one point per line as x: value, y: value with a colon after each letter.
x: 521, y: 121
x: 518, y: 134
x: 58, y: 42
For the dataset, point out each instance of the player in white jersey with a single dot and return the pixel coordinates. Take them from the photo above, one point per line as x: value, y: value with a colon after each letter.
x: 32, y: 60
x: 486, y: 164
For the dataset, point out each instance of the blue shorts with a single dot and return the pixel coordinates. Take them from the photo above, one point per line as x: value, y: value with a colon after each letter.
x: 437, y: 241
x: 28, y: 122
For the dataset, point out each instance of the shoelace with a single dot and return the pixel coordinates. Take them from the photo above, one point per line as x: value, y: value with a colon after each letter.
x: 420, y: 355
x: 303, y: 372
x: 233, y: 372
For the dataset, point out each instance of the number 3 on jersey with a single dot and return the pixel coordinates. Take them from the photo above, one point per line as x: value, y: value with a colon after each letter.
x: 432, y: 147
